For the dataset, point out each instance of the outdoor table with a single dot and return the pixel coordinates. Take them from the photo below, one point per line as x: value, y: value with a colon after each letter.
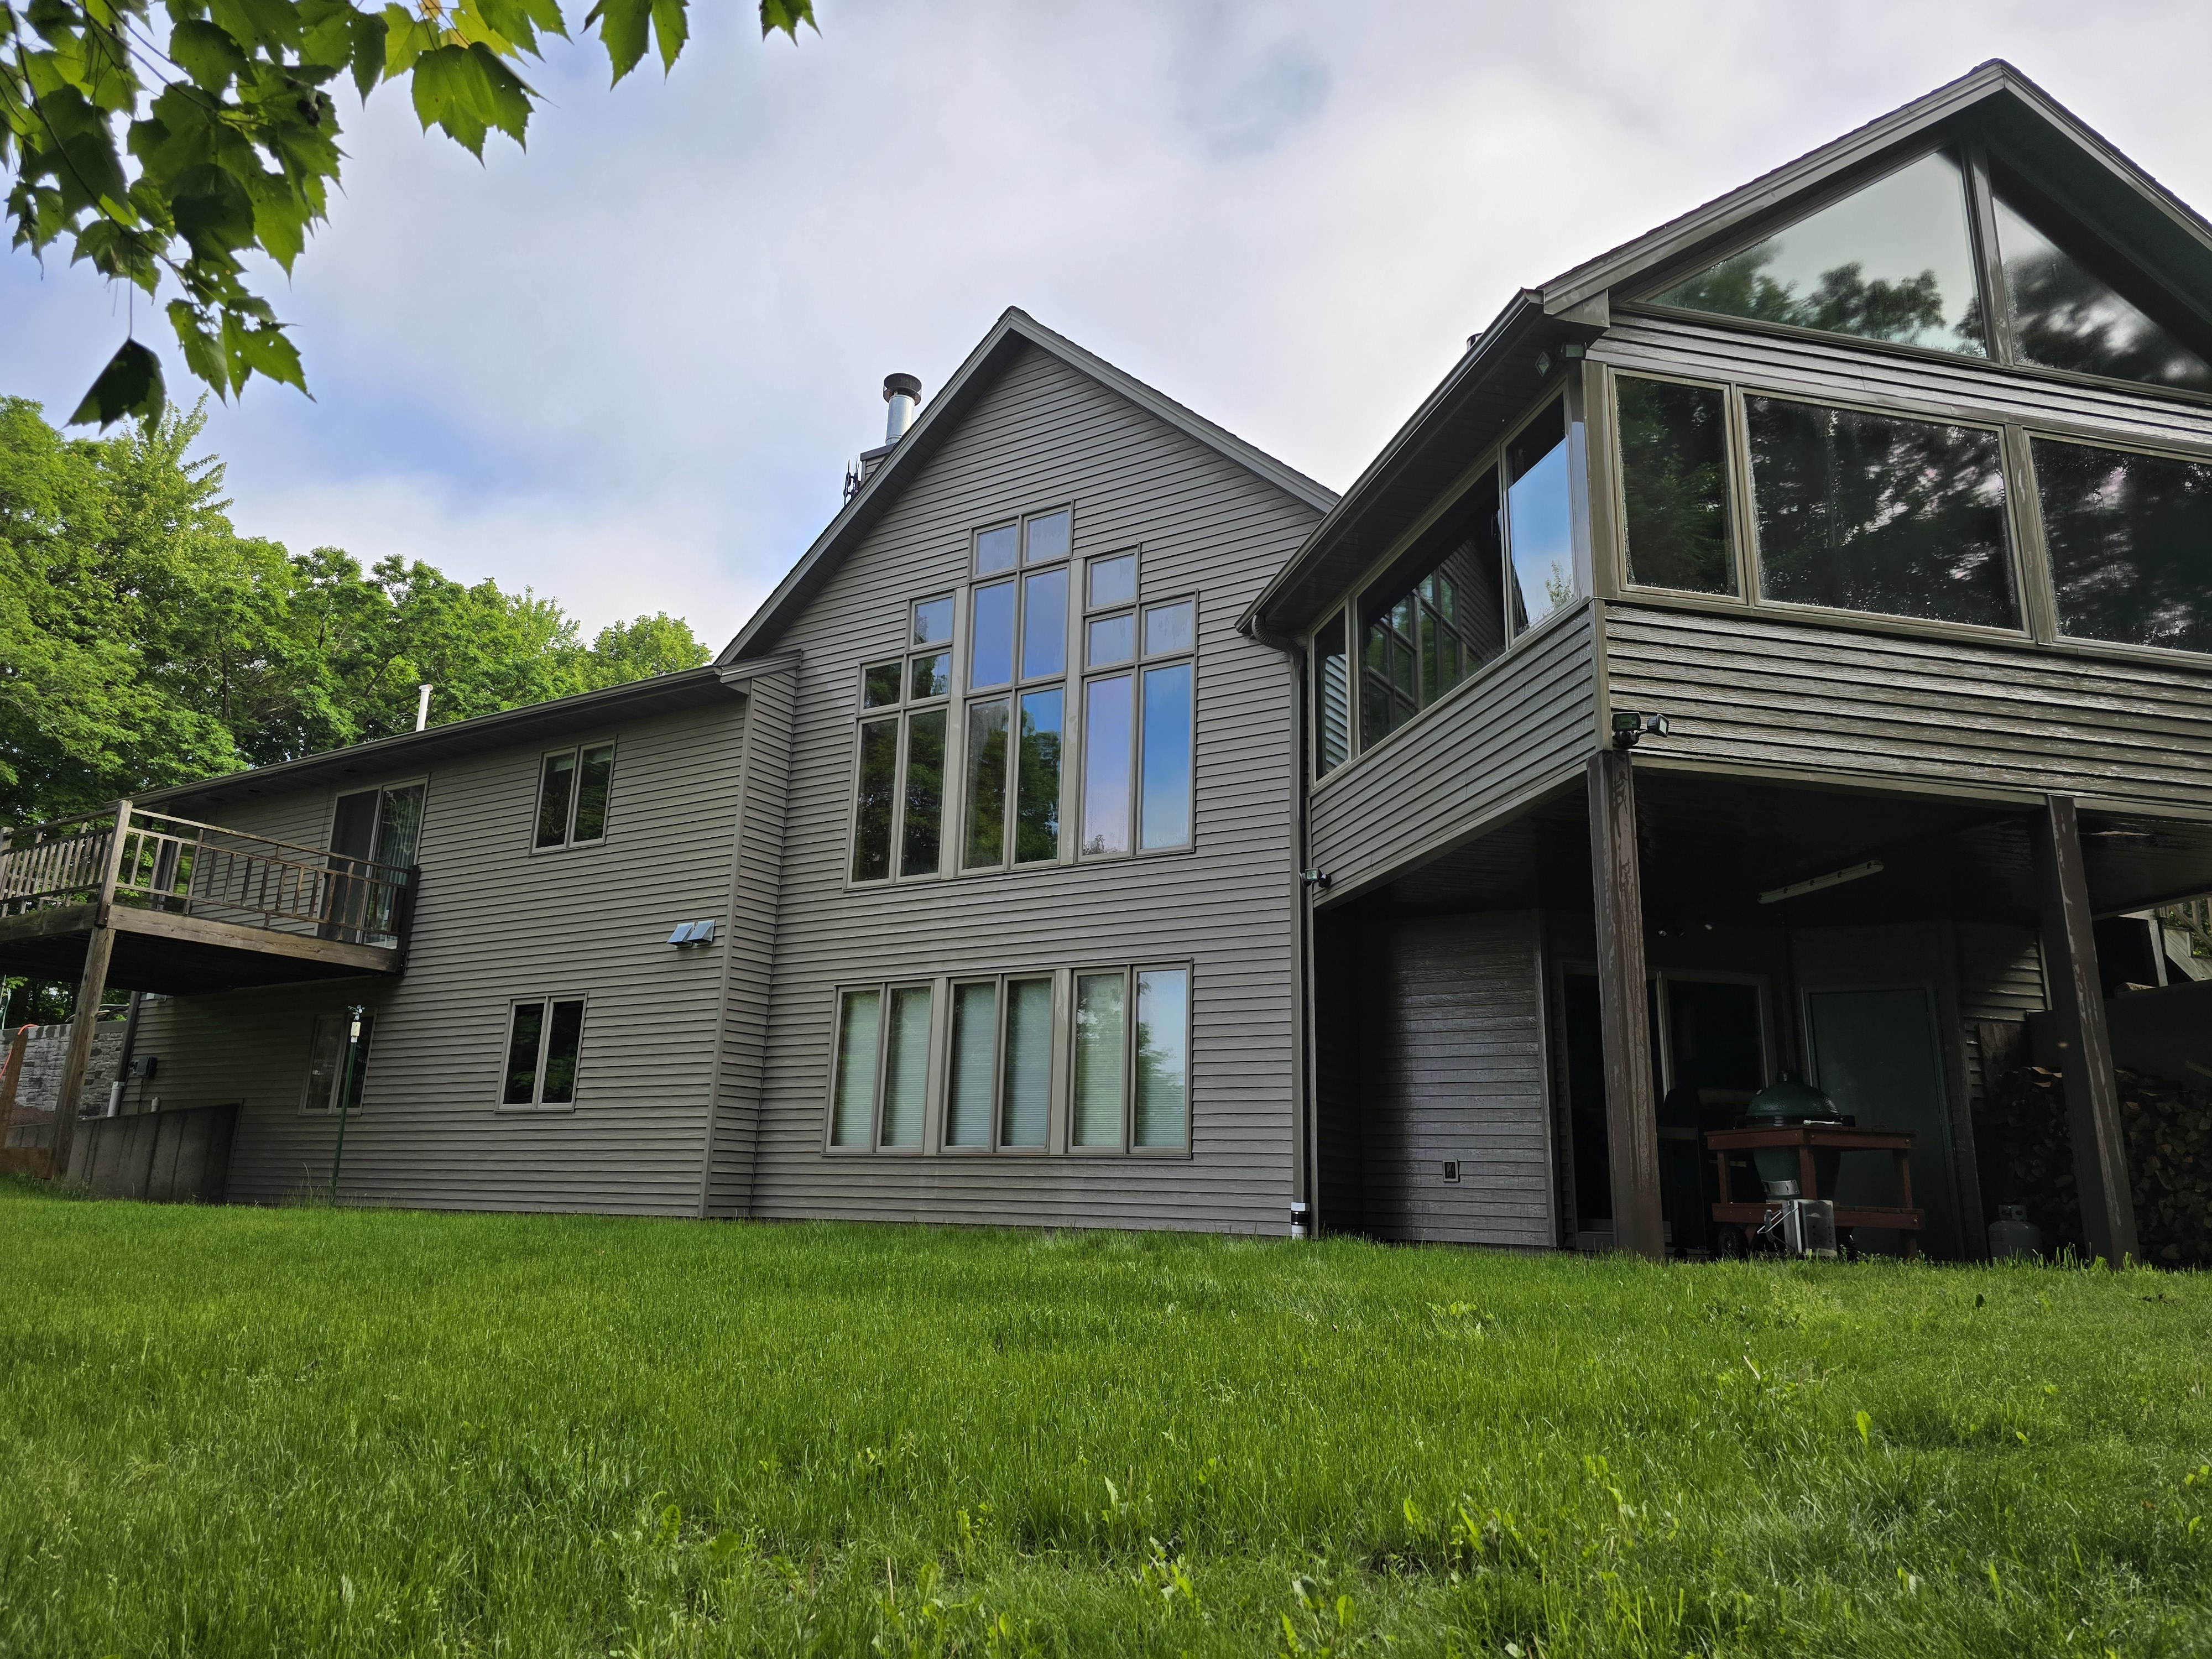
x: 1807, y: 1138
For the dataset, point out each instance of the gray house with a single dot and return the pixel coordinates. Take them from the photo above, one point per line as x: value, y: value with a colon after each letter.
x: 962, y: 886
x: 1777, y: 647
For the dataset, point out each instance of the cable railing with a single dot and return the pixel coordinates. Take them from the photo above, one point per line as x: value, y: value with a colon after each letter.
x: 153, y: 861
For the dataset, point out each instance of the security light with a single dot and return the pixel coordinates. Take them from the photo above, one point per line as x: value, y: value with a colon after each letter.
x: 1629, y: 725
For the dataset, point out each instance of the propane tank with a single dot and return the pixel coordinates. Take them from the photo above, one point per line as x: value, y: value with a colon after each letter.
x: 2013, y: 1237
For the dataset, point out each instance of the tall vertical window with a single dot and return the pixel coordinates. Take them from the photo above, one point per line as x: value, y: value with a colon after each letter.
x: 852, y: 1092
x: 898, y: 815
x: 1674, y: 485
x: 972, y: 1072
x: 544, y: 1039
x: 1139, y: 722
x: 337, y: 1061
x: 1101, y: 1059
x: 1540, y: 533
x: 1026, y: 1068
x: 1020, y: 642
x: 573, y: 789
x: 1332, y: 693
x: 1162, y: 1110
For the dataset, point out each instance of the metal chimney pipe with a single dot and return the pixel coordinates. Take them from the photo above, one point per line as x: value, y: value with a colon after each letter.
x: 903, y: 393
x: 422, y: 707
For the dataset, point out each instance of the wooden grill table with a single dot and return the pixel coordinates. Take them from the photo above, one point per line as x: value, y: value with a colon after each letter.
x: 1808, y: 1138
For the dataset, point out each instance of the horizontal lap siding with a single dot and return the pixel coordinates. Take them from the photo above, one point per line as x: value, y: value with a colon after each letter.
x: 1848, y: 372
x: 494, y: 923
x: 1529, y: 721
x: 1045, y: 435
x: 1451, y: 1066
x: 1759, y: 691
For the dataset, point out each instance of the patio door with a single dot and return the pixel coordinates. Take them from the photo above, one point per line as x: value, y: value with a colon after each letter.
x: 380, y: 825
x: 1878, y: 1055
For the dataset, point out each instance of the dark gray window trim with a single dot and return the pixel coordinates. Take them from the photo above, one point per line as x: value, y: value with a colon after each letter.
x: 567, y: 843
x: 1491, y: 459
x: 535, y: 1107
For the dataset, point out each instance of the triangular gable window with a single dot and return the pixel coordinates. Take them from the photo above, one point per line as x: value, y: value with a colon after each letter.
x: 2063, y: 316
x: 1893, y: 261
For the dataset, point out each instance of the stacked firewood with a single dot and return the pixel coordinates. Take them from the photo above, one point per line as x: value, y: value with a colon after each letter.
x: 2169, y: 1145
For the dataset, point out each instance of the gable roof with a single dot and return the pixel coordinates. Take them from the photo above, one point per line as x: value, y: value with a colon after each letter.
x: 2109, y: 193
x: 2023, y: 125
x: 1016, y: 331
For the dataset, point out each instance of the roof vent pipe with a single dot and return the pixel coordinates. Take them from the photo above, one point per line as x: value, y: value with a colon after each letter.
x: 903, y: 393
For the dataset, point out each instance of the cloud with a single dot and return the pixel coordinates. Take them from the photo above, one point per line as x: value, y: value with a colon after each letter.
x: 627, y: 367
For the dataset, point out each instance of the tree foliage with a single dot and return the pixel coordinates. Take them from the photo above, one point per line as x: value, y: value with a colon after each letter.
x: 166, y: 147
x: 143, y: 642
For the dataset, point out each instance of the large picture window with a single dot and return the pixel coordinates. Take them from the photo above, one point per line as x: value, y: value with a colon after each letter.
x: 1674, y: 477
x: 1102, y: 1053
x: 2129, y: 537
x: 544, y: 1039
x: 1861, y: 512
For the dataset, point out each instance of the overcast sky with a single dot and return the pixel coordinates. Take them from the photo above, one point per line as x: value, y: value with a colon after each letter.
x: 628, y: 369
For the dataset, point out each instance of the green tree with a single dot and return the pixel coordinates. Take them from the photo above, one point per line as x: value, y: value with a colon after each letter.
x: 168, y: 147
x: 143, y: 642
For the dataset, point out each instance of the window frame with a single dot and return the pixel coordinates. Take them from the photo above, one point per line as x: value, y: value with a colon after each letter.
x: 1973, y: 157
x: 1736, y: 462
x: 536, y: 1104
x: 1010, y: 691
x: 937, y: 1107
x: 1133, y: 671
x: 330, y: 1106
x: 568, y: 842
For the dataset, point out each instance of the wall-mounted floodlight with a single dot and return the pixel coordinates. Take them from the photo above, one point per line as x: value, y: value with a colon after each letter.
x: 693, y: 932
x: 1833, y: 878
x: 1629, y: 726
x: 1317, y: 879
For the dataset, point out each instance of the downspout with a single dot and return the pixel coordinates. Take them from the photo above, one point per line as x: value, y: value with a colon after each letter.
x: 1303, y: 1208
x: 115, y: 1089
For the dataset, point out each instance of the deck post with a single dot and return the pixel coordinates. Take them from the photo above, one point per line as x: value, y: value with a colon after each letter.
x: 89, y: 990
x: 2077, y: 997
x: 1631, y: 1119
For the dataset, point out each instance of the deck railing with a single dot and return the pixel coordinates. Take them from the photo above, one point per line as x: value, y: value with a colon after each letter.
x: 2194, y: 918
x: 153, y: 861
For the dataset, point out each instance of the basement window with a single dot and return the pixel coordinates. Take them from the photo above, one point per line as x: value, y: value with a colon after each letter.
x: 544, y: 1037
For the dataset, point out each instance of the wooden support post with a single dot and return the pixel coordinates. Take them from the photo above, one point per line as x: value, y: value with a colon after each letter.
x: 2077, y: 997
x: 89, y: 990
x: 1631, y: 1118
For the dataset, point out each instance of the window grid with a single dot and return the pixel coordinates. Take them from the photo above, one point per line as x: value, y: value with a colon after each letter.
x: 1092, y: 1061
x: 576, y: 797
x: 1116, y: 696
x: 544, y: 1053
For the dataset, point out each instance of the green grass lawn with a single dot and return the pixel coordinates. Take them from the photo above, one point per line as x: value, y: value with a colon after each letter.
x: 347, y: 1431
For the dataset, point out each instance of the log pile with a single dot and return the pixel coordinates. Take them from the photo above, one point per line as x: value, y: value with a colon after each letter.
x: 2169, y: 1144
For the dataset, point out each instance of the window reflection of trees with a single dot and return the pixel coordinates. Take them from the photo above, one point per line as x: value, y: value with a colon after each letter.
x: 1437, y: 622
x: 2130, y: 543
x: 1674, y: 454
x: 2063, y: 316
x: 1863, y: 513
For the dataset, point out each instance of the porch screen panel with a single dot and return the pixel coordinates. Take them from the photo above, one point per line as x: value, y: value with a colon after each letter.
x: 968, y: 1098
x: 1674, y: 474
x: 906, y: 1066
x: 1101, y: 1040
x: 1863, y: 512
x: 1027, y: 1072
x: 1890, y: 261
x: 853, y: 1097
x: 1539, y: 521
x: 1162, y: 1105
x: 2130, y: 541
x: 1435, y: 619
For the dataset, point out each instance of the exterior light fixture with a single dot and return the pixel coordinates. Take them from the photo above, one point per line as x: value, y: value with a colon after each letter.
x: 1833, y: 878
x: 692, y: 933
x: 1317, y: 879
x: 1629, y: 727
